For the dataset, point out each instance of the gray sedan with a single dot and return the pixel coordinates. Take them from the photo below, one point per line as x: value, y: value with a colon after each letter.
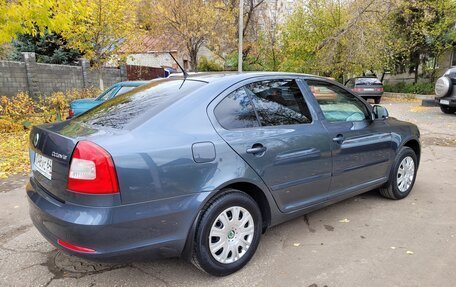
x: 200, y: 167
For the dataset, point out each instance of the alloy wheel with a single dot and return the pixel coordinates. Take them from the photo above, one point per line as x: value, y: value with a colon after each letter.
x: 405, y: 174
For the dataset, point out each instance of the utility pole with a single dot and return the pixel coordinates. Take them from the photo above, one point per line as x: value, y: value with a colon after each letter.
x: 241, y: 28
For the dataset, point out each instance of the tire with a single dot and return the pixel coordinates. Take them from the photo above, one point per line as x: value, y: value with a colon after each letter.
x: 218, y: 262
x: 377, y: 100
x: 447, y: 110
x: 393, y: 189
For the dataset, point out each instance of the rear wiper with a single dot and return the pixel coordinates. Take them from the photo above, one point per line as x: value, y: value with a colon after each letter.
x: 183, y: 70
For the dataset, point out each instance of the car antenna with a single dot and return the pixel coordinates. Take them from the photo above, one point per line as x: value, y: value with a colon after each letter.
x: 183, y: 70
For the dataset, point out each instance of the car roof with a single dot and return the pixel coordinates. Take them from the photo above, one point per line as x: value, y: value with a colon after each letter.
x: 132, y: 83
x: 212, y: 77
x: 365, y: 77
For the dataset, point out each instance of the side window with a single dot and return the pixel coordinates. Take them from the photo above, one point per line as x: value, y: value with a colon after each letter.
x: 279, y: 102
x: 337, y: 104
x: 108, y: 94
x: 124, y: 90
x: 235, y: 111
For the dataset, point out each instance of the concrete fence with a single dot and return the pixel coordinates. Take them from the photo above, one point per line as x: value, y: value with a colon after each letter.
x: 36, y: 78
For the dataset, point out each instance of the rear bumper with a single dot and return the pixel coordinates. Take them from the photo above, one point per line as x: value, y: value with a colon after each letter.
x: 446, y: 101
x: 370, y: 95
x: 128, y: 232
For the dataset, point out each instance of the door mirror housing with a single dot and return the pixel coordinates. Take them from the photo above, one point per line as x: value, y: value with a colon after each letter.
x: 380, y: 112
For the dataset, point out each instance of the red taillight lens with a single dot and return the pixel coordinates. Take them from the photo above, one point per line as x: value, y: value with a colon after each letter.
x: 71, y: 113
x: 75, y: 247
x: 92, y: 170
x: 379, y: 89
x: 357, y: 90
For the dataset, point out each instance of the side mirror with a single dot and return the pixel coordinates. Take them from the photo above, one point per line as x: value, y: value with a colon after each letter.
x: 380, y: 112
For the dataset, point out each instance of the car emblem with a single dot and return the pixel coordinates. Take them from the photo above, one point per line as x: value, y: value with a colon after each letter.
x: 36, y: 139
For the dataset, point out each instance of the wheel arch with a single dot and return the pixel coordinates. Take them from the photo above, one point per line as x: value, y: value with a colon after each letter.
x: 414, y: 144
x: 253, y: 190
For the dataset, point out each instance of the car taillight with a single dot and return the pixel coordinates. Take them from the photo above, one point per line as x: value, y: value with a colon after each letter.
x: 379, y: 89
x: 357, y: 90
x: 92, y: 170
x: 71, y: 113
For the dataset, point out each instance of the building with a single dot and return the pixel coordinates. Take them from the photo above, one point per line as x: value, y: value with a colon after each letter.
x: 152, y: 51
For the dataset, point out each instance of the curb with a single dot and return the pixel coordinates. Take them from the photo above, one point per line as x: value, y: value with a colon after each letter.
x: 429, y: 103
x: 409, y: 96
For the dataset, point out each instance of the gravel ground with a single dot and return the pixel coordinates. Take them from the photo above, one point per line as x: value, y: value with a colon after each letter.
x: 363, y: 241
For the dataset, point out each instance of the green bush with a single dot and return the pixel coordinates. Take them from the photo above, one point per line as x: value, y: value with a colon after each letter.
x: 206, y: 65
x: 422, y: 88
x: 18, y: 113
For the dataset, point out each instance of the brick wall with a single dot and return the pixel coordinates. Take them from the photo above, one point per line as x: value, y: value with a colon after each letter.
x: 37, y: 78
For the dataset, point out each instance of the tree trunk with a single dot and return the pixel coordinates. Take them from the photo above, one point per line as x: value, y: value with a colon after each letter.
x: 100, y: 77
x: 383, y: 77
x: 416, y: 73
x: 193, y: 60
x: 432, y: 78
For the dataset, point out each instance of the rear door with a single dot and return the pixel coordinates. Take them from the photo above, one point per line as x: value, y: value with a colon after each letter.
x: 269, y: 124
x: 362, y: 149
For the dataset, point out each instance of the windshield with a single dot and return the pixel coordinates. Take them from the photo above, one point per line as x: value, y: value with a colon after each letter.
x: 151, y: 98
x: 368, y: 82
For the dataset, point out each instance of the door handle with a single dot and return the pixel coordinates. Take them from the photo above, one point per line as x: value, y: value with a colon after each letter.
x: 256, y: 149
x: 339, y: 139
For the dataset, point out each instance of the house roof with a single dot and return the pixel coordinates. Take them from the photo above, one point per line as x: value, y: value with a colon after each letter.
x: 144, y: 44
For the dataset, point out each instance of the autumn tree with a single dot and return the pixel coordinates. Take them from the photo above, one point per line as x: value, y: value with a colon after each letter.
x: 427, y: 27
x: 253, y: 32
x: 262, y: 37
x: 98, y: 27
x: 338, y: 38
x: 190, y: 23
x: 32, y: 17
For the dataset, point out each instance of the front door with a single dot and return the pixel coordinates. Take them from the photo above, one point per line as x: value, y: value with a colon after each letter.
x: 361, y: 148
x: 269, y: 124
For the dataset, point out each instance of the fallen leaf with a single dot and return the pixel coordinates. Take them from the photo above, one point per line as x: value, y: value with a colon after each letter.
x: 16, y: 206
x: 392, y: 247
x: 345, y: 220
x: 296, y: 244
x: 409, y: 252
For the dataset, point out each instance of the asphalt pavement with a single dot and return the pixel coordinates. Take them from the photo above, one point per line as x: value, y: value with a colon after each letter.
x: 363, y: 241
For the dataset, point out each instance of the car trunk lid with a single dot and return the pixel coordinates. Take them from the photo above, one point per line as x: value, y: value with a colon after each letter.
x: 50, y: 155
x: 51, y: 149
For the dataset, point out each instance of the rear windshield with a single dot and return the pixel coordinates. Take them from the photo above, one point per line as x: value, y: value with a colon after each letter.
x: 368, y: 82
x: 149, y: 99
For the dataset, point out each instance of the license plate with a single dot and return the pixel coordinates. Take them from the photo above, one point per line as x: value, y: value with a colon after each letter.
x: 43, y: 165
x: 445, y: 102
x: 369, y: 89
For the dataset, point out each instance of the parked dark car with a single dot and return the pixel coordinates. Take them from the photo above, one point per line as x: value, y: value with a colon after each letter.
x: 201, y: 167
x: 445, y: 91
x: 366, y: 87
x: 79, y: 106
